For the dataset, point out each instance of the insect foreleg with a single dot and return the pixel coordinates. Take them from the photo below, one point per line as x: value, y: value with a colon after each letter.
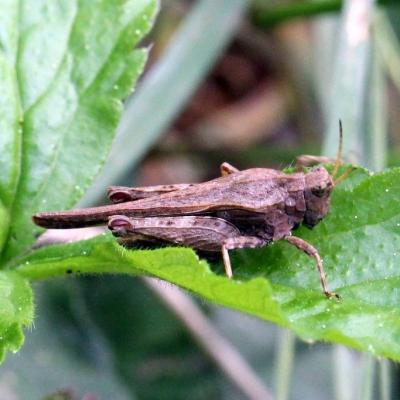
x: 227, y: 169
x: 312, y: 252
x: 238, y: 243
x: 306, y: 160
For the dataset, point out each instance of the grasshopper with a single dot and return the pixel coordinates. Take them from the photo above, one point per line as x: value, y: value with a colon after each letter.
x: 240, y: 209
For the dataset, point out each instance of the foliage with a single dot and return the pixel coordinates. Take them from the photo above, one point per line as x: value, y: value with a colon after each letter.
x: 60, y: 106
x: 65, y: 69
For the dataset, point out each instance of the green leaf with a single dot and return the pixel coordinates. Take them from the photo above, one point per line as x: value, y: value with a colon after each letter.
x: 359, y: 241
x: 16, y: 310
x: 65, y: 68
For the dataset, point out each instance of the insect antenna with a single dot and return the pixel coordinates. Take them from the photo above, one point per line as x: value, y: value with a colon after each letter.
x: 344, y: 175
x: 338, y: 161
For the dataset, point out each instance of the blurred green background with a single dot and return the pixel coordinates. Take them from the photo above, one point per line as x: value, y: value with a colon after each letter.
x: 254, y: 83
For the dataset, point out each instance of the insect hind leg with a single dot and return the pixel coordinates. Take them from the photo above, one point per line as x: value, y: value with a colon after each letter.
x: 239, y: 242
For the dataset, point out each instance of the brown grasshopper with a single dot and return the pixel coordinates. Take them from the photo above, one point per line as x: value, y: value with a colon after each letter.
x: 240, y: 209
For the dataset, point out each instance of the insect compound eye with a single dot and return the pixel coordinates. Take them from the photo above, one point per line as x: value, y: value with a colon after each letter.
x: 318, y: 191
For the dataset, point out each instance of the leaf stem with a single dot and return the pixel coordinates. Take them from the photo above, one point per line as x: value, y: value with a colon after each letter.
x: 345, y: 364
x: 367, y: 376
x: 226, y: 356
x: 284, y: 364
x: 384, y: 380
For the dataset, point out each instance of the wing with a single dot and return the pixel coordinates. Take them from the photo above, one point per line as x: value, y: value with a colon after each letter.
x: 121, y: 194
x: 255, y: 190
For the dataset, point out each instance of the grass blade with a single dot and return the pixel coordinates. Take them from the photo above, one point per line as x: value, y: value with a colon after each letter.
x: 284, y: 364
x: 349, y: 81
